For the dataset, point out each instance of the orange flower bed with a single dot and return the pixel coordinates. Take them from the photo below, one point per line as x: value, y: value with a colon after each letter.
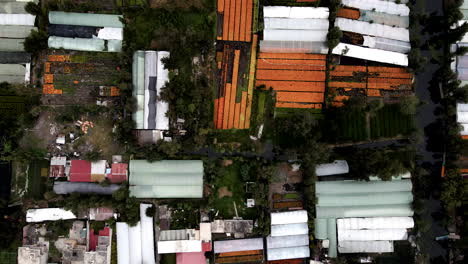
x: 350, y: 13
x: 58, y: 58
x: 389, y: 80
x: 298, y: 56
x: 299, y: 97
x: 279, y: 75
x: 221, y: 6
x: 286, y: 62
x: 298, y: 105
x: 48, y: 78
x: 47, y: 67
x: 293, y: 86
x: 347, y: 85
x: 50, y: 89
x: 387, y: 69
x: 115, y: 91
x: 350, y: 68
x: 248, y: 22
x: 373, y: 92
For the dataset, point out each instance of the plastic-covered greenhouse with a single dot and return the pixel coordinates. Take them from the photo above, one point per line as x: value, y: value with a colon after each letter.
x: 14, y: 57
x: 84, y: 19
x: 296, y: 23
x: 76, y: 44
x: 12, y: 7
x: 358, y: 52
x: 379, y: 6
x: 293, y: 47
x: 384, y: 18
x: 16, y: 32
x: 17, y: 19
x: 372, y: 29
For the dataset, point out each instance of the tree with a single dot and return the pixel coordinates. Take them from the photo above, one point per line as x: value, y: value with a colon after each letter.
x: 150, y: 211
x: 409, y: 104
x: 93, y: 155
x: 33, y: 9
x: 333, y: 37
x: 36, y: 41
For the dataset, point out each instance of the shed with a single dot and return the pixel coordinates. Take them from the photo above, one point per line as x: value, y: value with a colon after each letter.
x: 166, y: 179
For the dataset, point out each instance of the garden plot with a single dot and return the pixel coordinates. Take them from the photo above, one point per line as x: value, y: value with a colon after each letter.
x: 79, y: 77
x: 286, y: 188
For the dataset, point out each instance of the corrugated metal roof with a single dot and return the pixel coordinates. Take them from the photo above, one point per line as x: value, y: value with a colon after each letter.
x: 119, y: 172
x: 292, y: 217
x: 336, y: 167
x: 365, y: 246
x: 371, y: 54
x: 168, y: 178
x: 61, y: 187
x: 84, y: 19
x: 238, y: 245
x: 80, y: 171
x: 290, y: 229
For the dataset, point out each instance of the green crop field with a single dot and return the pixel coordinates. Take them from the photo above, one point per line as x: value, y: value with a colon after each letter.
x: 36, y: 181
x: 389, y: 122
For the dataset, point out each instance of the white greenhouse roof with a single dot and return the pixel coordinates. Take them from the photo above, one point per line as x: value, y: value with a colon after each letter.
x: 48, y: 214
x: 290, y: 229
x: 110, y: 33
x: 162, y: 107
x: 372, y: 29
x: 287, y: 241
x: 292, y: 217
x: 371, y: 54
x: 179, y: 246
x: 365, y: 246
x: 235, y: 245
x: 288, y: 253
x: 378, y: 6
x: 462, y: 113
x: 387, y: 44
x: 336, y: 167
x: 17, y: 19
x: 296, y: 23
x: 375, y: 223
x: 295, y: 12
x: 135, y: 244
x: 372, y: 234
x: 295, y: 35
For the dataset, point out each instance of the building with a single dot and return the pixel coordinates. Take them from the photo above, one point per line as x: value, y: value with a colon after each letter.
x: 238, y: 227
x: 58, y: 167
x: 179, y: 241
x: 149, y: 77
x: 166, y: 179
x: 370, y: 215
x: 248, y: 250
x: 101, y: 213
x: 135, y: 244
x: 62, y: 187
x: 34, y: 254
x: 85, y: 171
x: 48, y: 214
x: 295, y: 29
x: 119, y: 173
x: 85, y: 32
x: 289, y: 237
x: 334, y: 168
x: 374, y: 31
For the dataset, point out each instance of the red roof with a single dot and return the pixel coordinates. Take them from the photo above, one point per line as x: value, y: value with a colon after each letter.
x: 93, y: 238
x: 206, y: 246
x: 191, y: 258
x: 80, y: 171
x: 118, y: 172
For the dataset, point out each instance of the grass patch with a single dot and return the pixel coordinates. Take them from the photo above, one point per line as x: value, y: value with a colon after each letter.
x: 36, y: 179
x: 390, y: 122
x: 168, y: 259
x: 291, y: 196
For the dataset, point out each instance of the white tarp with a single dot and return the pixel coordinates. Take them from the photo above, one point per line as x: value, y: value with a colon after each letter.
x: 162, y: 107
x: 371, y: 54
x: 17, y: 19
x: 288, y: 253
x: 372, y: 29
x: 372, y: 234
x: 336, y: 167
x: 147, y: 238
x: 48, y: 214
x: 295, y: 35
x: 292, y: 217
x: 135, y: 237
x: 387, y: 44
x: 378, y: 6
x: 290, y: 229
x: 295, y: 12
x: 110, y: 33
x: 179, y: 246
x: 462, y: 113
x: 295, y: 23
x: 365, y: 246
x: 375, y: 223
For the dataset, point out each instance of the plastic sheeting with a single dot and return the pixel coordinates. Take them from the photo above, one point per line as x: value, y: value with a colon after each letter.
x: 336, y: 167
x: 462, y: 113
x: 462, y: 61
x: 296, y: 23
x: 147, y: 240
x: 288, y: 253
x: 292, y: 217
x: 162, y: 107
x: 76, y: 44
x: 387, y: 44
x: 289, y: 230
x: 84, y: 19
x: 295, y: 12
x: 14, y: 57
x: 135, y: 236
x: 365, y: 199
x: 366, y: 246
x: 123, y: 243
x: 372, y: 235
x: 114, y: 45
x: 384, y: 18
x: 331, y: 229
x: 349, y: 187
x: 379, y: 6
x: 48, y: 214
x: 287, y: 241
x: 12, y: 8
x: 179, y: 246
x: 295, y: 35
x: 11, y: 45
x: 12, y: 69
x: 235, y: 245
x: 270, y: 46
x: 364, y: 211
x: 110, y: 33
x: 375, y: 223
x: 70, y: 31
x: 15, y: 31
x: 17, y: 19
x: 371, y: 54
x: 372, y: 29
x: 321, y: 228
x: 84, y: 187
